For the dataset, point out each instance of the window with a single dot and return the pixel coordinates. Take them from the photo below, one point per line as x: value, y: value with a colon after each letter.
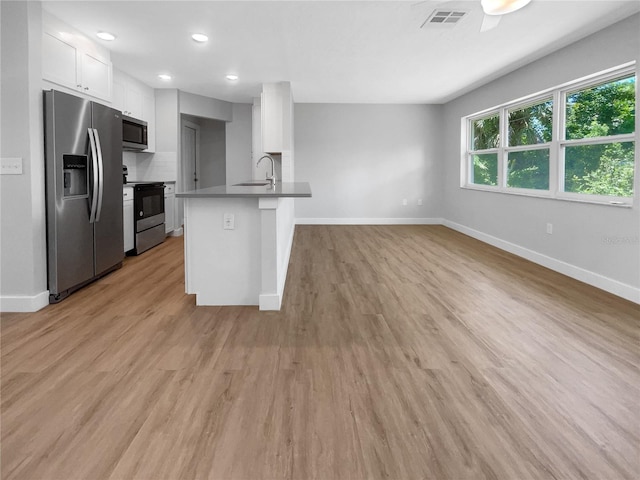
x: 575, y: 142
x: 599, y: 146
x: 484, y: 150
x: 530, y: 130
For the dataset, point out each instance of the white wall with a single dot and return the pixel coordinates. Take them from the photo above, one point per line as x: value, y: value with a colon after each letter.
x: 238, y: 144
x: 23, y: 281
x: 595, y: 242
x: 363, y: 160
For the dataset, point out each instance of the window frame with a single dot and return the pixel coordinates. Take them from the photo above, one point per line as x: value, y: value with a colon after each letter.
x: 470, y: 154
x: 557, y: 146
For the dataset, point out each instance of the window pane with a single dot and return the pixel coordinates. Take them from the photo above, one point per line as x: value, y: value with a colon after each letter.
x: 485, y: 169
x: 528, y: 169
x: 531, y: 125
x: 486, y: 133
x: 605, y: 169
x: 606, y: 109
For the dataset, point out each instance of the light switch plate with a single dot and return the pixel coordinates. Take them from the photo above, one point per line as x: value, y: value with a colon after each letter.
x: 229, y: 221
x: 11, y: 166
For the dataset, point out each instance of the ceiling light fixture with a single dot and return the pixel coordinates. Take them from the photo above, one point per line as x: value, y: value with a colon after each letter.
x: 200, y: 37
x: 501, y: 7
x: 232, y: 77
x: 164, y: 76
x: 106, y: 36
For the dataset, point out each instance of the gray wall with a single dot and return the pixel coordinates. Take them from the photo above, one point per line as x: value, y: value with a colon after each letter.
x: 597, y: 238
x: 167, y: 120
x: 205, y: 107
x: 239, y: 144
x: 363, y: 160
x: 212, y: 168
x: 23, y: 232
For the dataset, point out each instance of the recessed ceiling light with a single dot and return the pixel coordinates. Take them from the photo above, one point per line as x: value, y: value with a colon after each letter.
x: 232, y: 77
x: 200, y: 37
x: 106, y: 36
x: 164, y: 76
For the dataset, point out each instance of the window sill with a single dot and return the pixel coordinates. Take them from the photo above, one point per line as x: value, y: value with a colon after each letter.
x: 547, y: 195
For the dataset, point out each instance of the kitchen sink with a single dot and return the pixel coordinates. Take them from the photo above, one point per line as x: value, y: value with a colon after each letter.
x: 261, y: 183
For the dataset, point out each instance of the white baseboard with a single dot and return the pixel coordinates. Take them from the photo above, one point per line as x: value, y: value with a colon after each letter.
x: 23, y: 303
x: 369, y: 221
x: 270, y: 301
x: 615, y: 287
x: 178, y: 232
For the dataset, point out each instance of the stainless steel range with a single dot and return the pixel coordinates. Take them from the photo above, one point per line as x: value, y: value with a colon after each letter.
x: 148, y: 201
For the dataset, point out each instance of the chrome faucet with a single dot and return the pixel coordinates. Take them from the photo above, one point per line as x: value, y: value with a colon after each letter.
x: 271, y: 178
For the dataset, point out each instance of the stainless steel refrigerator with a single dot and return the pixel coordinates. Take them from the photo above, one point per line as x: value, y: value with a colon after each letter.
x: 83, y: 157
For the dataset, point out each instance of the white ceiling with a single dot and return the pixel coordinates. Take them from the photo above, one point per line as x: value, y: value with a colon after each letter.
x: 331, y: 51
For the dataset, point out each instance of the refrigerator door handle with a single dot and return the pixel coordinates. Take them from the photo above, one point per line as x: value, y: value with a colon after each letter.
x: 94, y: 192
x: 100, y: 174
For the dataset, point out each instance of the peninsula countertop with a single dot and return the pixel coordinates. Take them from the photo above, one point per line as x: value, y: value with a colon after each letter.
x: 286, y: 189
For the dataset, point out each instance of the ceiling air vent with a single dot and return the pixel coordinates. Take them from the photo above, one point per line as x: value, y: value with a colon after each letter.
x: 447, y: 18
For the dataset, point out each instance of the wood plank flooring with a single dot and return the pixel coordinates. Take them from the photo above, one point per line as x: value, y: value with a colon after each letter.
x: 401, y: 352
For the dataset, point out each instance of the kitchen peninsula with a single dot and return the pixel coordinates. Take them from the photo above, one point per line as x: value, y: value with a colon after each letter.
x: 238, y: 241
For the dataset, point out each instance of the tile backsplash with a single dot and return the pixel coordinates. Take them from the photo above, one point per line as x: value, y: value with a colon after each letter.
x: 151, y: 166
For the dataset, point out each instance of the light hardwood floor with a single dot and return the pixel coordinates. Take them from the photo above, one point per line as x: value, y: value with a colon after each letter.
x: 401, y: 352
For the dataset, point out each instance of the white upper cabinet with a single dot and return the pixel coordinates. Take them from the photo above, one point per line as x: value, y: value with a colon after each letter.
x: 59, y: 61
x: 95, y: 79
x: 71, y: 60
x: 133, y: 102
x: 135, y: 99
x: 127, y: 94
x: 276, y: 105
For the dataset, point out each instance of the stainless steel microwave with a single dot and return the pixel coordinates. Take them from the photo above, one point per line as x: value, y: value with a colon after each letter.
x: 134, y: 134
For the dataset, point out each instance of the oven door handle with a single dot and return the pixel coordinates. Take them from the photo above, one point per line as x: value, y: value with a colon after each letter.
x: 100, y: 174
x: 94, y: 190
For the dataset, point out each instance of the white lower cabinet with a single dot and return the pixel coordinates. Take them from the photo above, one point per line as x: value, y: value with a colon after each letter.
x: 169, y: 207
x: 127, y: 217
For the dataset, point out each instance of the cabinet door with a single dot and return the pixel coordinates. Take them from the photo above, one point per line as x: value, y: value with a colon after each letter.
x: 118, y: 95
x: 59, y: 62
x: 96, y: 77
x: 169, y: 212
x: 133, y: 102
x: 271, y: 104
x: 127, y: 219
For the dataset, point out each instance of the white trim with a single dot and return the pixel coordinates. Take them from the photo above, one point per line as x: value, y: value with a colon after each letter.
x: 577, y: 84
x: 285, y: 262
x: 369, y: 221
x: 270, y: 301
x: 24, y: 303
x: 273, y: 301
x: 544, y: 194
x: 610, y: 285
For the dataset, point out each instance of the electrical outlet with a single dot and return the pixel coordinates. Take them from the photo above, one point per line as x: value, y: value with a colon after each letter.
x: 229, y: 221
x: 405, y: 202
x: 11, y: 166
x: 550, y: 228
x: 419, y: 202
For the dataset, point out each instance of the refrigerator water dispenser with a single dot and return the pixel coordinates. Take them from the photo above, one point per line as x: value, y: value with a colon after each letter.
x: 75, y: 175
